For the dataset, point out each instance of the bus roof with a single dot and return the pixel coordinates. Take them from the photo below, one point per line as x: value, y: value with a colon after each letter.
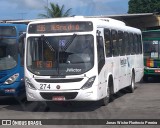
x: 76, y: 18
x: 99, y: 21
x: 18, y: 26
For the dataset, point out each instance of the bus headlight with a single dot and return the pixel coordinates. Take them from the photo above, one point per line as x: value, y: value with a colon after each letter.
x: 12, y: 79
x: 29, y: 84
x: 89, y: 83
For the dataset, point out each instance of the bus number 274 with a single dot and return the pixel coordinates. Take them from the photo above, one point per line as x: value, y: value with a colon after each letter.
x: 45, y: 86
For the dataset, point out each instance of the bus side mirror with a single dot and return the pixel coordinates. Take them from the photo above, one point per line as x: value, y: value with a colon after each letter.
x: 21, y: 47
x: 21, y: 44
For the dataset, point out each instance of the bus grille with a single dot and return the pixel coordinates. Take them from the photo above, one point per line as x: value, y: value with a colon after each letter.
x: 58, y: 80
x: 67, y: 95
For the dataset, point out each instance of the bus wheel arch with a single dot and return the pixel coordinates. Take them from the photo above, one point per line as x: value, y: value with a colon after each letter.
x: 109, y: 91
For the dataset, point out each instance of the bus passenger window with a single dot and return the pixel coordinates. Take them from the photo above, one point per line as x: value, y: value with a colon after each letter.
x: 140, y: 43
x: 126, y: 43
x: 108, y: 46
x: 115, y: 43
x: 131, y: 42
x: 120, y: 43
x: 136, y: 44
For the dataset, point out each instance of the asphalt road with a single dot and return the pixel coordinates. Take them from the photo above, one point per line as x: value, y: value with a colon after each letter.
x: 144, y: 103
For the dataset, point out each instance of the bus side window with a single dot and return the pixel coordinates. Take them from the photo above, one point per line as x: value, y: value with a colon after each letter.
x: 108, y: 45
x: 131, y: 42
x: 100, y: 52
x: 21, y: 46
x: 136, y: 44
x: 126, y: 43
x: 115, y: 43
x: 140, y: 44
x: 120, y: 42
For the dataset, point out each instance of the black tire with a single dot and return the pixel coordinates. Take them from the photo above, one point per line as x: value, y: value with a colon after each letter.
x: 131, y: 88
x: 106, y: 99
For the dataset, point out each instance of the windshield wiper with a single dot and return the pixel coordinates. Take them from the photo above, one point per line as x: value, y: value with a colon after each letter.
x: 47, y: 42
x: 69, y: 42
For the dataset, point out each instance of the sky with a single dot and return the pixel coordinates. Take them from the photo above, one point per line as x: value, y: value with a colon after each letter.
x: 30, y: 9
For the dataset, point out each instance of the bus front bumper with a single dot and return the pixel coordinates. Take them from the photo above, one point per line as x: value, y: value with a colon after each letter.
x: 152, y: 71
x: 15, y: 89
x: 69, y: 95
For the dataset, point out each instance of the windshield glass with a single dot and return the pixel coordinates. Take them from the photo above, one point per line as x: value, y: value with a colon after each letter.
x: 151, y: 49
x: 8, y: 53
x: 60, y: 55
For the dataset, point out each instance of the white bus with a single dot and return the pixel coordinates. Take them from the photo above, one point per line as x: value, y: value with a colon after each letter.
x: 81, y: 59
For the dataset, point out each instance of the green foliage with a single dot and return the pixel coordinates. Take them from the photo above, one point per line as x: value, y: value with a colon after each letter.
x: 144, y: 6
x: 55, y: 11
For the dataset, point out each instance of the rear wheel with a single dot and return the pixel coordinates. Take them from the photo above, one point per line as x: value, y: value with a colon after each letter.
x: 131, y: 88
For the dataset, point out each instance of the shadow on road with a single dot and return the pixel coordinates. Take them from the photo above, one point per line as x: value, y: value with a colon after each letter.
x: 16, y: 105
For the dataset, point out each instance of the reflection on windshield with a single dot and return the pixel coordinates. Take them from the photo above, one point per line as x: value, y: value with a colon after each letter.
x: 151, y: 49
x: 67, y: 57
x: 8, y: 53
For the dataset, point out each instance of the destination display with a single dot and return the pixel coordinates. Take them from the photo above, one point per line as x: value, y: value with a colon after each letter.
x: 60, y: 27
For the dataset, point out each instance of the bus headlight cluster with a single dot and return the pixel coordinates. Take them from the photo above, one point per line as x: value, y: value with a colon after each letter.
x: 12, y: 79
x: 29, y: 84
x: 89, y: 83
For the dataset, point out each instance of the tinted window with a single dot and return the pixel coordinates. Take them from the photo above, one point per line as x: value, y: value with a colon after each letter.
x: 120, y: 42
x: 108, y: 46
x: 126, y: 43
x: 60, y: 55
x: 115, y: 43
x: 100, y: 52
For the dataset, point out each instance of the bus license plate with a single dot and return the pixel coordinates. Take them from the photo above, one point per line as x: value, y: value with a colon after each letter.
x: 157, y: 71
x: 58, y: 98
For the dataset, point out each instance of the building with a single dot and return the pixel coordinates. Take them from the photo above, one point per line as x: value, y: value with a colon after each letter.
x: 143, y: 21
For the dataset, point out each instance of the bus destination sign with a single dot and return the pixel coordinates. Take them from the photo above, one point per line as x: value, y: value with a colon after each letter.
x: 60, y: 27
x: 7, y: 31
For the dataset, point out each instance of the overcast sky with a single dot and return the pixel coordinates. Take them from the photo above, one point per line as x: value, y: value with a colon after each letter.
x: 29, y: 9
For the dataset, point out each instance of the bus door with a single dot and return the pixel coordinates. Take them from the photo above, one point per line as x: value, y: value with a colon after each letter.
x: 101, y: 63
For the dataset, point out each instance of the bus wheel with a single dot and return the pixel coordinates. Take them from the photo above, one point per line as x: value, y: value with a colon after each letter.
x: 106, y: 99
x: 132, y: 86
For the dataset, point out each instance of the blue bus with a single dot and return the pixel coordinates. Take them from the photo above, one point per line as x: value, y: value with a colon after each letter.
x: 12, y: 38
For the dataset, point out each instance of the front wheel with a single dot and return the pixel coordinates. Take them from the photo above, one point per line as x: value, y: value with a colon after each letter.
x: 106, y: 99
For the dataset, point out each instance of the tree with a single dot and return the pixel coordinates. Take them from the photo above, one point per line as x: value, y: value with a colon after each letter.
x: 55, y: 11
x: 144, y: 6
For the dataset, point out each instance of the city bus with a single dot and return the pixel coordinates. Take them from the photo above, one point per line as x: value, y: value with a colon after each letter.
x: 81, y: 59
x: 151, y: 48
x: 12, y: 37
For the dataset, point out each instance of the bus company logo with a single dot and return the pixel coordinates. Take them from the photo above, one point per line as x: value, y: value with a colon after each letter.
x: 73, y: 70
x: 58, y: 86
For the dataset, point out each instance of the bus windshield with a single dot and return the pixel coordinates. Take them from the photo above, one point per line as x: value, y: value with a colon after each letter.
x: 60, y: 55
x: 151, y: 49
x: 8, y: 53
